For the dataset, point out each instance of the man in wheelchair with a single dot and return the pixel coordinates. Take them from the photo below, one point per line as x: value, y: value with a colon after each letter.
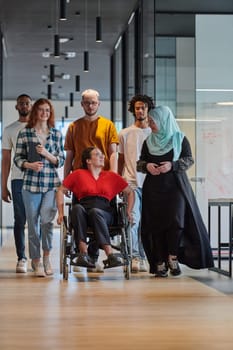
x: 94, y: 189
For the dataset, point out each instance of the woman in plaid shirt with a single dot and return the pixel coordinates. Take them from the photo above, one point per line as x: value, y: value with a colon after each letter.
x: 39, y: 152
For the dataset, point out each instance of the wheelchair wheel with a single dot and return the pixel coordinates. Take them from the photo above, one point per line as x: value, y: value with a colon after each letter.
x: 65, y: 271
x: 63, y: 233
x: 129, y: 244
x: 125, y: 253
x: 127, y: 271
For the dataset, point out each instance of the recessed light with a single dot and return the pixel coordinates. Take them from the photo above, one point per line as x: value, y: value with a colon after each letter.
x: 64, y: 40
x: 65, y: 76
x: 70, y: 54
x: 45, y: 54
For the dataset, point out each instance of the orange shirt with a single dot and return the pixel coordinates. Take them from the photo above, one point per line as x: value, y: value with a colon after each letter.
x: 83, y: 133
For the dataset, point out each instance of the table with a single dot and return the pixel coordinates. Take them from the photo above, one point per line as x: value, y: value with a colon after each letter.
x: 219, y: 203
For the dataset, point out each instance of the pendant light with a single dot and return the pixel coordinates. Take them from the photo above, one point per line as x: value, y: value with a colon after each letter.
x: 86, y: 53
x: 98, y: 25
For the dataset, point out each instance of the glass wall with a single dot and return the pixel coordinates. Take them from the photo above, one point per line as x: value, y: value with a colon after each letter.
x: 181, y: 60
x: 214, y: 102
x: 1, y: 83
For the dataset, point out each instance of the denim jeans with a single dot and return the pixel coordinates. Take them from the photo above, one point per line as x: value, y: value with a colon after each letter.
x: 19, y: 218
x: 137, y: 247
x: 40, y: 212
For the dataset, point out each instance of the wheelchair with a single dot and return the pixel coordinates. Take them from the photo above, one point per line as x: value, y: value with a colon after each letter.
x: 120, y: 235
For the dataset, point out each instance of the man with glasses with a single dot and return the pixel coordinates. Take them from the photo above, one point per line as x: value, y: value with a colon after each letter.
x: 23, y: 106
x: 91, y: 130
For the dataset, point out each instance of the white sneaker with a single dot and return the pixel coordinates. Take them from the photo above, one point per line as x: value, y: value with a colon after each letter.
x: 135, y: 266
x: 98, y: 268
x: 78, y: 269
x: 21, y: 266
x: 39, y: 269
x: 47, y: 266
x: 143, y: 265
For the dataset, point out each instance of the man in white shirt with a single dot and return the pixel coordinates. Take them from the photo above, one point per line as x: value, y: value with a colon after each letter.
x: 130, y: 144
x: 10, y: 134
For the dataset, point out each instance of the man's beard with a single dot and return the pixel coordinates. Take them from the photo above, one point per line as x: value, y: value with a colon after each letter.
x: 90, y: 114
x: 23, y: 114
x: 141, y: 119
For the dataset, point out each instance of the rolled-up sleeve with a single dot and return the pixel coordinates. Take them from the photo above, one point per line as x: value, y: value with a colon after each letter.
x: 60, y: 150
x: 21, y: 151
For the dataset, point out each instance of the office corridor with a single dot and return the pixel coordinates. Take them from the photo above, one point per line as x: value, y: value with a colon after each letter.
x: 105, y: 311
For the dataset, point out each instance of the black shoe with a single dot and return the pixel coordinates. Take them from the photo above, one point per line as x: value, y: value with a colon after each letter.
x: 113, y: 261
x: 161, y: 270
x: 174, y: 267
x: 83, y: 260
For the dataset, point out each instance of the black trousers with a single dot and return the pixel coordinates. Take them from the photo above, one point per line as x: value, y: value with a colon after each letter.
x: 97, y: 219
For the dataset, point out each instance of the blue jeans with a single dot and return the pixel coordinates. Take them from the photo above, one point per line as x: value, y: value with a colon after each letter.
x: 137, y: 247
x: 40, y: 212
x: 19, y: 218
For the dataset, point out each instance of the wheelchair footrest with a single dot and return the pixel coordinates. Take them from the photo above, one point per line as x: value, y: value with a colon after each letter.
x: 113, y: 260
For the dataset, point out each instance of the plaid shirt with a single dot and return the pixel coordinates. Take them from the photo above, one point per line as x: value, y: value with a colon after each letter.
x: 47, y: 179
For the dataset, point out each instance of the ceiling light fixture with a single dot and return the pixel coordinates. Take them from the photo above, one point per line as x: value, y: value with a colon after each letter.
x: 70, y: 54
x: 45, y: 54
x: 71, y: 99
x: 52, y: 73
x: 77, y: 83
x: 56, y: 46
x: 86, y: 53
x: 98, y: 25
x: 49, y: 92
x: 131, y: 18
x: 226, y: 103
x: 66, y: 111
x: 56, y: 36
x: 53, y: 76
x: 86, y: 61
x: 62, y: 10
x: 214, y: 90
x: 64, y: 40
x: 65, y: 76
x: 4, y: 47
x: 67, y: 54
x: 118, y: 43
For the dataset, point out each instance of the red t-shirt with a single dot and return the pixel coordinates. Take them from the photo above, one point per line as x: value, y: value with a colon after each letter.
x: 82, y: 183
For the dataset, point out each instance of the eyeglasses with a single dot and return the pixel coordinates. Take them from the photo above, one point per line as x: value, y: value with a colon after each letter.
x: 89, y: 103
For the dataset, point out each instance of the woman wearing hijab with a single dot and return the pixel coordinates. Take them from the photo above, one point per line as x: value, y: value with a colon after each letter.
x: 172, y: 228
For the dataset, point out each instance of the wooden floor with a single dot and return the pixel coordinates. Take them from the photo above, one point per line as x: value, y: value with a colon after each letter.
x: 105, y: 311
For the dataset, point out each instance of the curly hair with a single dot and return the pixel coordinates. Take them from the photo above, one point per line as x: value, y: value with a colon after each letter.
x: 142, y: 98
x: 33, y: 115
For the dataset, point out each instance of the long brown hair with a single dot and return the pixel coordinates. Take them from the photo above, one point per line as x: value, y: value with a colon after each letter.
x: 33, y: 115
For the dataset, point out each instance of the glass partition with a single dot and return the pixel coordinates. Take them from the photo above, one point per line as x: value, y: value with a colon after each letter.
x: 1, y: 83
x: 214, y: 103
